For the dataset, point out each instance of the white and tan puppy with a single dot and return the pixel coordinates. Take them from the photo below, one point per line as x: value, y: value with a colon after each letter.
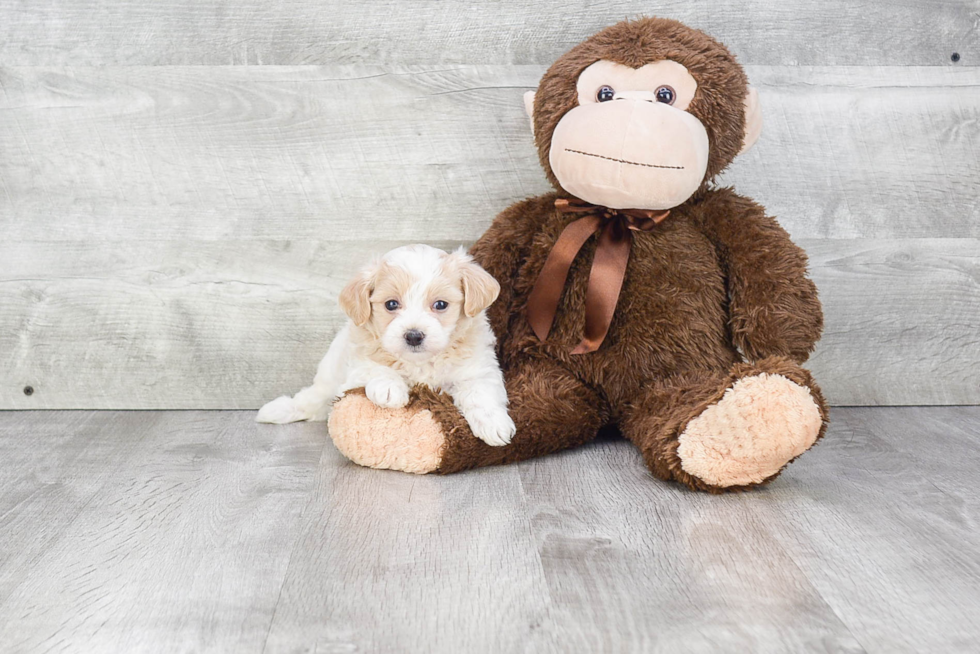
x: 417, y: 316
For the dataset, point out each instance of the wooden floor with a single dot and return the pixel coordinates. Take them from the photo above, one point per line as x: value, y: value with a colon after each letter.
x: 202, y: 531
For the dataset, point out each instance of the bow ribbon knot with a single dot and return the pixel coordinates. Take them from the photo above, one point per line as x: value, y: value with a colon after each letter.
x: 615, y: 228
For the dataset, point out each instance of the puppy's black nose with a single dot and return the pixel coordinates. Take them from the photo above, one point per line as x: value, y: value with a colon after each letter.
x: 414, y: 337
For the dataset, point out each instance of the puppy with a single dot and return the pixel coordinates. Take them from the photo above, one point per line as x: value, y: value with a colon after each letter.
x: 417, y: 316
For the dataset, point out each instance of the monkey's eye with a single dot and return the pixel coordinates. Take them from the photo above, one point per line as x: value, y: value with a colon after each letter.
x: 666, y: 95
x: 440, y: 305
x: 391, y: 305
x: 605, y: 94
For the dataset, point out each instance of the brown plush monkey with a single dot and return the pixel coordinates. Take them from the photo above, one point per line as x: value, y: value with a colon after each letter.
x: 636, y: 295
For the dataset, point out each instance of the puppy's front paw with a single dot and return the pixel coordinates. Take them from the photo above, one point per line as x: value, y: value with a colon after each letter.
x: 387, y: 393
x: 493, y: 427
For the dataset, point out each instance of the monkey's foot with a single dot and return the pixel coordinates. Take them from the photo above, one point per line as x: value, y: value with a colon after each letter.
x: 761, y: 423
x: 409, y: 439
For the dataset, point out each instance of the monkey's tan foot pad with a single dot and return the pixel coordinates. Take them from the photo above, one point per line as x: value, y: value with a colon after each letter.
x: 407, y: 439
x: 760, y: 424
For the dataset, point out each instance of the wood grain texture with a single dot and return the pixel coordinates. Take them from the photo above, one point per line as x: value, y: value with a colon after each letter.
x: 882, y: 516
x: 866, y: 152
x: 184, y: 547
x: 174, y: 236
x: 691, y: 570
x: 201, y: 531
x: 233, y: 324
x: 168, y: 324
x: 902, y: 320
x: 350, y: 153
x: 221, y: 32
x: 51, y: 469
x: 367, y: 152
x: 391, y: 562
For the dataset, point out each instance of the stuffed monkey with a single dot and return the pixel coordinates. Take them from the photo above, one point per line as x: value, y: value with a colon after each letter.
x: 636, y: 295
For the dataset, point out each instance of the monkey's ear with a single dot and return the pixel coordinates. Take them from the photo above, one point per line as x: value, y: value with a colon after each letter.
x: 753, y: 119
x: 529, y: 107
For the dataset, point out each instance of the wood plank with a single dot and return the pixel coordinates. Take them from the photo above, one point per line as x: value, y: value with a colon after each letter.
x: 348, y: 152
x: 175, y: 237
x: 232, y: 324
x: 207, y: 532
x: 221, y: 32
x: 901, y: 319
x: 52, y: 466
x: 942, y: 441
x: 881, y: 519
x: 410, y: 153
x: 184, y: 549
x: 867, y: 152
x: 637, y: 565
x: 390, y: 562
x: 168, y: 324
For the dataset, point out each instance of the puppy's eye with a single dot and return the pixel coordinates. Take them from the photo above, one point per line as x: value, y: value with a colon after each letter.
x: 666, y: 95
x: 605, y: 94
x: 391, y: 305
x: 440, y: 305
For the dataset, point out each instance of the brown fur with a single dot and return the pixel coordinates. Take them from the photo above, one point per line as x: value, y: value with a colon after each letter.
x: 689, y: 301
x: 553, y: 403
x: 717, y: 277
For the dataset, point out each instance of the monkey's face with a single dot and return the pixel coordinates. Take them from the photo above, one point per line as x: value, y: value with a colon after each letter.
x: 630, y: 143
x: 642, y: 114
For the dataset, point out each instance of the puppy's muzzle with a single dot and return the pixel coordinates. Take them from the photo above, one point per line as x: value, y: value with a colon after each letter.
x: 414, y: 337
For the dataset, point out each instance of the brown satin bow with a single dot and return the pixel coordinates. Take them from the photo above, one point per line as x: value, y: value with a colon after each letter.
x: 615, y: 227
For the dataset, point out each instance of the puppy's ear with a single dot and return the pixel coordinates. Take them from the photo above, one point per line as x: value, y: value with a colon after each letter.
x: 355, y: 299
x: 480, y: 289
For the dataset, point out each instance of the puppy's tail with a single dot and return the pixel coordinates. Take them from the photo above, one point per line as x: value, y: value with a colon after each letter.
x: 313, y: 402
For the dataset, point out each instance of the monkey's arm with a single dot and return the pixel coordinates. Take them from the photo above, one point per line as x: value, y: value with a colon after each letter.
x: 504, y: 246
x: 774, y: 309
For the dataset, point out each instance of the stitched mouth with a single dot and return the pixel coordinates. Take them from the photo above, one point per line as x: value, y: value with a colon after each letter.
x: 632, y: 163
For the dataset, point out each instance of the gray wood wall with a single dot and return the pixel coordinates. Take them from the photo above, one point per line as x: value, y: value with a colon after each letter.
x: 185, y: 186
